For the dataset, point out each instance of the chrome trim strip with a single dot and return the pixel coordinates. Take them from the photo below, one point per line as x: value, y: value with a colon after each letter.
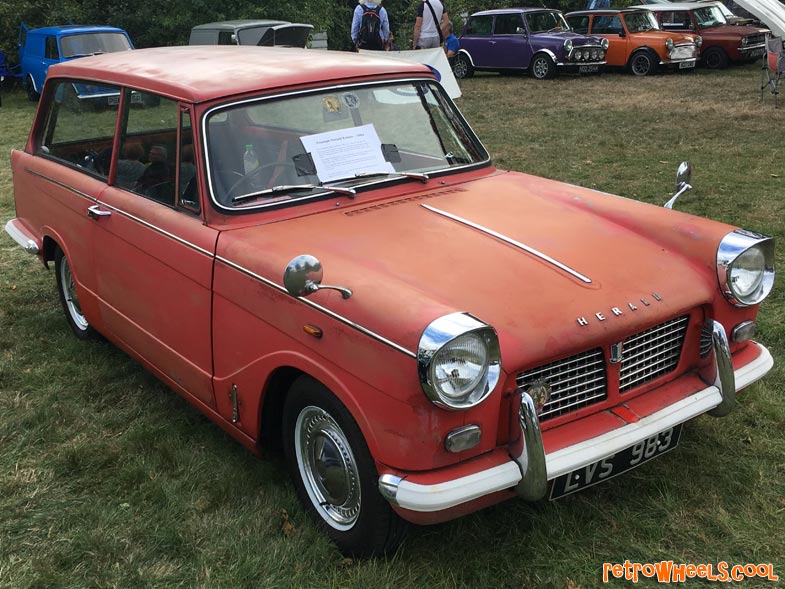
x: 318, y: 307
x: 26, y: 243
x: 512, y: 242
x: 450, y: 493
x: 155, y: 228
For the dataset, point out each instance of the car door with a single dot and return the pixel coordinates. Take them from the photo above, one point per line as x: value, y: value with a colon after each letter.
x: 609, y: 26
x: 510, y: 43
x: 153, y: 253
x: 478, y: 42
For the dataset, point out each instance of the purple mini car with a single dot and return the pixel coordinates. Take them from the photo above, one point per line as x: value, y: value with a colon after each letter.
x: 536, y: 40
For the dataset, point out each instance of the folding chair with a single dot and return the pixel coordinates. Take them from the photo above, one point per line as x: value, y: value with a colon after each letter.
x: 773, y: 67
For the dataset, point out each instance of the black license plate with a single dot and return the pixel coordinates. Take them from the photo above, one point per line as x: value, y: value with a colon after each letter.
x: 588, y: 69
x: 616, y: 464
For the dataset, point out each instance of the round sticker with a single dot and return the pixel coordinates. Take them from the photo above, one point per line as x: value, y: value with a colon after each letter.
x: 331, y: 104
x: 351, y: 99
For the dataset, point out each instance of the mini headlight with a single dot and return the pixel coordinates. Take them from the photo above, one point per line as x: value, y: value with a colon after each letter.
x: 699, y: 41
x: 669, y: 44
x: 605, y: 44
x: 567, y: 46
x: 745, y: 267
x: 458, y: 361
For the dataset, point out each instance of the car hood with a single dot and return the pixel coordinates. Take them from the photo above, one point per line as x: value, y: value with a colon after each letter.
x: 578, y: 40
x: 464, y: 248
x: 733, y: 30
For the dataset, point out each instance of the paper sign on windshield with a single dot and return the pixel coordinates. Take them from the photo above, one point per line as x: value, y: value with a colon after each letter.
x: 344, y: 153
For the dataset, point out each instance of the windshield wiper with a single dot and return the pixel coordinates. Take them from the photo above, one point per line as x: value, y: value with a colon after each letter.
x: 415, y: 175
x: 350, y: 192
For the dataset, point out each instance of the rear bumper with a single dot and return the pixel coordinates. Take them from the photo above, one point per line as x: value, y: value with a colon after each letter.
x: 22, y: 236
x: 526, y: 468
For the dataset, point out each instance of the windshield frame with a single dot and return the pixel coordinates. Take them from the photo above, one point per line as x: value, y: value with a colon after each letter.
x: 650, y: 17
x: 362, y: 184
x: 709, y: 8
x: 563, y: 26
x: 68, y: 41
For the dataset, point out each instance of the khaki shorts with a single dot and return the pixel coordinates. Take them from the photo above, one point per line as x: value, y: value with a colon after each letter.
x: 428, y: 43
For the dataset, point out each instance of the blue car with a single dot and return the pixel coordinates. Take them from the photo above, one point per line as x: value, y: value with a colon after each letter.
x: 41, y: 48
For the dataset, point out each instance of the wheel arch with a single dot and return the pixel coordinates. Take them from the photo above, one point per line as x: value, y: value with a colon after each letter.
x: 547, y: 52
x: 467, y: 54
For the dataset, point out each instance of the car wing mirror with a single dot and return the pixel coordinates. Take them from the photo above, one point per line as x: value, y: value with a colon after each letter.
x: 622, y: 34
x: 683, y: 177
x: 303, y: 277
x: 520, y: 31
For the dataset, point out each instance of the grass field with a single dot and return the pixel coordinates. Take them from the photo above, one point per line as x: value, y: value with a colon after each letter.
x: 108, y: 479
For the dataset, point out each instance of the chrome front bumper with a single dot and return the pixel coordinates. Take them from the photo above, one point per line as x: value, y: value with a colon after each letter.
x: 530, y: 468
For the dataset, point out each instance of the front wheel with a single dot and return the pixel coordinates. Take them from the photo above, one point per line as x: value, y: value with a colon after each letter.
x: 334, y: 474
x: 715, y: 58
x: 66, y: 287
x: 32, y: 95
x: 643, y: 63
x: 542, y: 67
x: 462, y: 67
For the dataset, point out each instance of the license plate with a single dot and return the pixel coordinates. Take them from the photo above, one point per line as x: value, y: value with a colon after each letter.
x: 756, y: 53
x: 588, y: 69
x: 616, y: 464
x: 686, y: 64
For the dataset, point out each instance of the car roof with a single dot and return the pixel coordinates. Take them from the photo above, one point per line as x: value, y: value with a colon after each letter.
x: 198, y: 73
x: 606, y: 11
x: 509, y: 10
x: 232, y: 25
x: 66, y: 29
x: 674, y: 6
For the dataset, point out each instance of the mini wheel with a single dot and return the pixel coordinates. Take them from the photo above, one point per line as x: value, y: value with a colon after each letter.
x: 643, y: 63
x: 66, y: 287
x: 542, y: 67
x: 462, y: 67
x: 334, y: 474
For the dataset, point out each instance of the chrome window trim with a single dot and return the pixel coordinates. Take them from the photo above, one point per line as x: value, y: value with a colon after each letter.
x: 333, y: 88
x: 511, y: 241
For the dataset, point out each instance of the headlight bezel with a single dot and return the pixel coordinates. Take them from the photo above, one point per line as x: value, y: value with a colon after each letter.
x: 732, y: 249
x: 605, y: 44
x: 567, y: 46
x: 669, y: 45
x: 439, y: 334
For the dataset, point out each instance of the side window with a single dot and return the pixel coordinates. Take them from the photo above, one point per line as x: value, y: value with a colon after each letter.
x: 675, y: 20
x: 606, y: 25
x: 187, y: 182
x: 226, y: 38
x: 77, y: 132
x: 580, y: 24
x: 507, y: 24
x: 51, y: 51
x: 148, y: 146
x: 480, y: 26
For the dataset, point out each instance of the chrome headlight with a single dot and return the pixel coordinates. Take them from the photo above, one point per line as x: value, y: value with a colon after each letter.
x: 605, y: 44
x: 567, y: 46
x: 669, y: 44
x: 698, y: 40
x: 458, y: 361
x: 745, y: 267
x: 745, y: 41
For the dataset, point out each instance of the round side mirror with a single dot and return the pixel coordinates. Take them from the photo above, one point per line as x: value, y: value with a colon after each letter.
x: 303, y: 275
x: 683, y: 175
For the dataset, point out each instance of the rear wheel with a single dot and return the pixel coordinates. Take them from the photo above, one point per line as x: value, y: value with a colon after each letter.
x: 462, y: 67
x: 334, y: 473
x: 715, y: 58
x: 643, y: 63
x: 66, y: 287
x: 542, y: 67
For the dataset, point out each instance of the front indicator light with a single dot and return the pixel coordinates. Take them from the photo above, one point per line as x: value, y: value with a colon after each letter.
x: 744, y: 331
x: 463, y: 438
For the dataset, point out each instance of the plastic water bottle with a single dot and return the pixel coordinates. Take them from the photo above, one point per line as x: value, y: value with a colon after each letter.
x: 250, y: 161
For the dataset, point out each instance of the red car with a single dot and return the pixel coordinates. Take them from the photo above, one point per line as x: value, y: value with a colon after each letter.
x: 723, y: 43
x: 479, y: 334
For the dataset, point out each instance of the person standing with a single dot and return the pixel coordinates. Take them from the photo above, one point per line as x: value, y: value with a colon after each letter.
x: 431, y: 19
x: 370, y: 26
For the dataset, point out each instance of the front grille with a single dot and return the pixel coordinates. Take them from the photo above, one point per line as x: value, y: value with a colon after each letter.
x: 755, y: 39
x: 689, y: 51
x: 581, y: 380
x: 587, y: 54
x: 576, y: 382
x: 651, y: 353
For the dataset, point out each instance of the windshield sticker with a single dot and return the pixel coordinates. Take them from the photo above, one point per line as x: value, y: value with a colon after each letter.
x: 347, y: 153
x: 351, y: 100
x: 331, y: 104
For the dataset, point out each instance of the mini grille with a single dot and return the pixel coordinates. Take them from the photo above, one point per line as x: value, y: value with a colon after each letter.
x: 684, y: 52
x: 576, y: 382
x: 651, y: 353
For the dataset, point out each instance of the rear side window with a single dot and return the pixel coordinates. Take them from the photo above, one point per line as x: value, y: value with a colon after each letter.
x: 480, y: 26
x: 79, y: 125
x: 51, y: 48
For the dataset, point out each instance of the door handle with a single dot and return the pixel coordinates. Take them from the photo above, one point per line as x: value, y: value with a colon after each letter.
x: 95, y: 212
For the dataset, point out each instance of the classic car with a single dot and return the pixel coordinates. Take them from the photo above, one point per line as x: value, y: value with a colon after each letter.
x: 265, y: 33
x: 41, y: 48
x: 722, y: 43
x: 326, y: 259
x: 636, y: 41
x: 526, y: 39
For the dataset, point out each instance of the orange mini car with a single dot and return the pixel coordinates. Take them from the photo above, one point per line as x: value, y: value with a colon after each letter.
x: 636, y: 40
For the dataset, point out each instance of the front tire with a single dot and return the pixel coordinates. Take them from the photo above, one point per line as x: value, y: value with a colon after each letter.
x: 542, y: 67
x: 32, y: 95
x: 462, y: 68
x: 715, y: 58
x: 66, y: 287
x: 334, y: 473
x: 643, y: 63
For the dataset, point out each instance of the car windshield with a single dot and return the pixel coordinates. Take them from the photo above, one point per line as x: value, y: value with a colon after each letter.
x: 545, y: 21
x: 300, y: 147
x: 709, y: 16
x: 92, y: 43
x: 638, y: 22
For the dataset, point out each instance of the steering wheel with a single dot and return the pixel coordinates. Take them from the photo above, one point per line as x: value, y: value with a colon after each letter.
x: 254, y: 174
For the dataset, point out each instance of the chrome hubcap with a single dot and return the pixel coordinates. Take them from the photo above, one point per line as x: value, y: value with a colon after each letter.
x: 327, y: 467
x: 460, y: 69
x: 69, y: 293
x: 540, y: 68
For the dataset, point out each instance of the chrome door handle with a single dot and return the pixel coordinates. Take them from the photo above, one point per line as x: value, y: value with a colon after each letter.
x: 94, y: 212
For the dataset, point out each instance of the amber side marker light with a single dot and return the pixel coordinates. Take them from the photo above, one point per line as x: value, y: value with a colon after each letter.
x: 313, y: 330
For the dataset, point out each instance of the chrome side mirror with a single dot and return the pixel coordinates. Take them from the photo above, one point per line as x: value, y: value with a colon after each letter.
x: 303, y: 277
x: 683, y: 177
